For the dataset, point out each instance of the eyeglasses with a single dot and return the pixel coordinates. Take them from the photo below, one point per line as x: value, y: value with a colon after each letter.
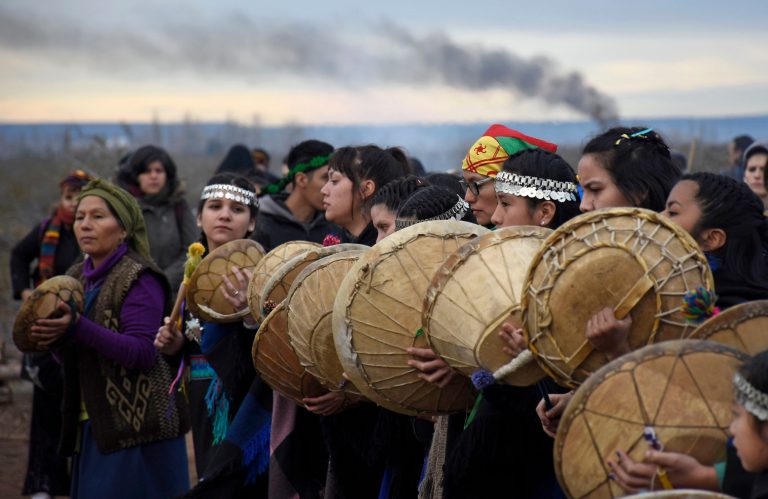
x: 474, y: 187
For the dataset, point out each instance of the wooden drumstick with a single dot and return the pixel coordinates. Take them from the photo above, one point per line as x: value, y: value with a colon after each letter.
x: 194, y: 257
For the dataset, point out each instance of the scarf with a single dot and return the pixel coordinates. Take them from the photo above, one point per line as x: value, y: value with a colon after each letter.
x: 50, y: 241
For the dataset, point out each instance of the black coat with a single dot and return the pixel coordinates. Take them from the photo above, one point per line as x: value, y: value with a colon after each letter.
x: 276, y: 224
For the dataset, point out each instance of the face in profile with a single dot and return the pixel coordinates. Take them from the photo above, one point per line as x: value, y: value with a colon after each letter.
x: 482, y: 203
x: 600, y: 190
x: 750, y: 440
x: 383, y: 220
x: 338, y: 199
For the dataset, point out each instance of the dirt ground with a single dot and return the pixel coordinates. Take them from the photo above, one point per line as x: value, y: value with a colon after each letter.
x: 14, y: 439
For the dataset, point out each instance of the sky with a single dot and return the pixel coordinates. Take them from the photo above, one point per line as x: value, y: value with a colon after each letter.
x: 345, y: 62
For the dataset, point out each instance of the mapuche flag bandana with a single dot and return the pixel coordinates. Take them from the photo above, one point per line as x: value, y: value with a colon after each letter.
x: 488, y: 153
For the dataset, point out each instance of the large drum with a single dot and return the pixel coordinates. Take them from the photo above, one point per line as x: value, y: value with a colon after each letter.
x: 277, y: 287
x: 743, y: 326
x: 473, y: 293
x: 276, y: 361
x: 629, y: 259
x: 680, y: 390
x: 204, y: 292
x: 310, y: 309
x: 377, y: 316
x: 44, y: 303
x: 266, y: 269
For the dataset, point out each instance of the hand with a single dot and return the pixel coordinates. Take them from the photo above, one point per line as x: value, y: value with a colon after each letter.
x: 237, y: 293
x: 609, y: 334
x: 682, y: 470
x: 326, y: 405
x: 169, y: 339
x: 47, y: 331
x: 514, y: 339
x: 550, y: 419
x: 433, y: 368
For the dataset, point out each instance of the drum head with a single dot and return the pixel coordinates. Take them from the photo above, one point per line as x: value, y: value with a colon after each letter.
x: 473, y: 293
x: 310, y: 309
x: 681, y: 389
x: 743, y: 326
x: 277, y: 287
x: 266, y: 268
x: 680, y: 494
x: 204, y: 291
x: 377, y: 316
x: 43, y: 303
x: 630, y: 259
x: 276, y: 362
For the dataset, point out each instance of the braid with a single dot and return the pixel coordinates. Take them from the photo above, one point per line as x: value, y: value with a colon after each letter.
x: 639, y: 162
x: 731, y: 205
x: 430, y: 202
x: 397, y: 191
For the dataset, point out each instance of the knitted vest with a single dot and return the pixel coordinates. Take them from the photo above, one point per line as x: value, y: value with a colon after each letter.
x: 126, y: 407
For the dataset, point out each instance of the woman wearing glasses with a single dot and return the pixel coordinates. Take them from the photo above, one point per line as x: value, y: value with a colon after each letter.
x: 483, y: 162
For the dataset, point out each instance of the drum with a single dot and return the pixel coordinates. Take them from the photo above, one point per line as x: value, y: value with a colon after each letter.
x: 680, y: 391
x: 473, y: 293
x: 310, y: 307
x: 276, y: 288
x: 276, y: 362
x: 267, y: 267
x: 743, y: 326
x: 377, y: 316
x: 630, y: 259
x: 44, y: 303
x: 204, y: 291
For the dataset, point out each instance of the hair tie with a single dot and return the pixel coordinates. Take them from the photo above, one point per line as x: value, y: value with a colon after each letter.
x: 642, y: 134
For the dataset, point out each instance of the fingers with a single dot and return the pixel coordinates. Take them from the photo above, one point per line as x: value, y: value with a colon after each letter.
x: 441, y: 377
x: 631, y: 475
x: 429, y: 366
x: 424, y: 353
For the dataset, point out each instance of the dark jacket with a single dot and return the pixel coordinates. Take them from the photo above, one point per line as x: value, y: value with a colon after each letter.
x: 276, y: 224
x: 28, y: 250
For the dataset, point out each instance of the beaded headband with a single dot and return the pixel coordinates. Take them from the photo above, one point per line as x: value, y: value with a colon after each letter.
x: 229, y: 191
x: 456, y: 213
x: 534, y: 187
x: 753, y: 400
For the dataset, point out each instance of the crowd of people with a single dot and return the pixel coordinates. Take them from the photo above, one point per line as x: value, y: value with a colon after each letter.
x: 120, y: 384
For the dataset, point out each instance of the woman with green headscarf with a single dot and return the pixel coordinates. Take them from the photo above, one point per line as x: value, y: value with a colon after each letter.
x: 120, y: 424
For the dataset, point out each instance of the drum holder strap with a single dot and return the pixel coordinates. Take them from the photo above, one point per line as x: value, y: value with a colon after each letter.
x: 621, y: 310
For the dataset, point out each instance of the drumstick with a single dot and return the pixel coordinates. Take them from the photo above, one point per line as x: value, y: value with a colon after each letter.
x: 544, y: 391
x: 194, y: 257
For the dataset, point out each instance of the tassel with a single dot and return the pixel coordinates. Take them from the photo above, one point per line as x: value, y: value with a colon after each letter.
x: 699, y: 305
x: 331, y: 240
x: 218, y: 409
x: 482, y: 378
x: 256, y: 455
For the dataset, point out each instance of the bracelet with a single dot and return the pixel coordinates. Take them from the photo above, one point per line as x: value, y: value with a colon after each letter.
x: 248, y: 326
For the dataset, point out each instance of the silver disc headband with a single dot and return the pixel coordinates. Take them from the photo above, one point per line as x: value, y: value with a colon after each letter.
x: 456, y: 213
x: 229, y: 191
x: 753, y: 400
x: 535, y: 187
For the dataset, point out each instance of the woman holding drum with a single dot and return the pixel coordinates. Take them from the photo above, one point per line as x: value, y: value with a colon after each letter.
x: 123, y: 427
x: 231, y: 406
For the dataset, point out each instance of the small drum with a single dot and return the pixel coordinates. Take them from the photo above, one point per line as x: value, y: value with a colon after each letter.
x: 310, y: 307
x: 204, y: 292
x: 473, y: 293
x: 276, y: 288
x: 675, y: 393
x: 267, y: 267
x: 630, y: 259
x: 744, y: 326
x: 276, y: 362
x: 43, y: 303
x: 377, y: 316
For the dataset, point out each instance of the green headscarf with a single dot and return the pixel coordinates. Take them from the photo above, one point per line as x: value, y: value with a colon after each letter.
x: 127, y: 210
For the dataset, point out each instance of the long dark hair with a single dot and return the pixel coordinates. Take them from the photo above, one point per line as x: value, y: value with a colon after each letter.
x: 393, y: 194
x: 545, y: 165
x: 136, y: 164
x: 639, y: 164
x: 731, y: 205
x: 430, y: 202
x: 369, y: 162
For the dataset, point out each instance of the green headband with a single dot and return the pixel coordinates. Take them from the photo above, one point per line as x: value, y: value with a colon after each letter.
x: 127, y: 210
x: 312, y: 164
